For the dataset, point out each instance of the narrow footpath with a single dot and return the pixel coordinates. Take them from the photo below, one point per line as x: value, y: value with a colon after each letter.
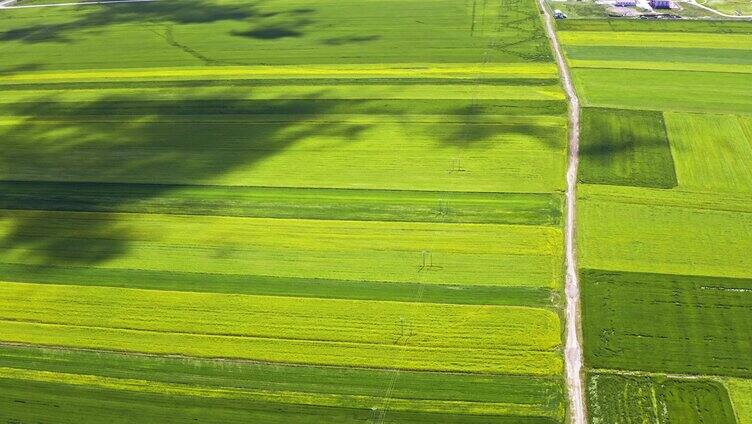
x: 573, y: 346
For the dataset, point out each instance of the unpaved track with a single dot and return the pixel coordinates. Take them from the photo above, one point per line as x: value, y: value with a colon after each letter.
x: 2, y: 5
x: 717, y: 12
x: 573, y: 348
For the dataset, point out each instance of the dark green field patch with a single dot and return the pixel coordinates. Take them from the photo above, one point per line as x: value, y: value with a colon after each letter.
x: 101, y: 384
x: 641, y: 399
x: 667, y: 323
x: 625, y: 147
x: 277, y: 286
x: 299, y: 203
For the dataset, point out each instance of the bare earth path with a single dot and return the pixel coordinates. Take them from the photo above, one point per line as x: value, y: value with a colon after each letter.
x: 573, y: 348
x: 710, y: 9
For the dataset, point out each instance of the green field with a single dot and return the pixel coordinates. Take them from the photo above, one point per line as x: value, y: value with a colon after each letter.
x: 741, y: 396
x: 713, y: 151
x: 626, y: 399
x: 625, y: 147
x: 648, y: 236
x: 88, y: 385
x: 671, y: 316
x: 664, y: 217
x: 288, y: 211
x: 278, y: 32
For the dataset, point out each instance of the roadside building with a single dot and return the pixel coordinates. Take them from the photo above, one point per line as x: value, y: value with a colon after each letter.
x: 625, y: 3
x: 661, y: 4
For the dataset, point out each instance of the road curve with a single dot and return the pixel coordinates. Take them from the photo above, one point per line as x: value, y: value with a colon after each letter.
x: 573, y: 347
x: 717, y: 12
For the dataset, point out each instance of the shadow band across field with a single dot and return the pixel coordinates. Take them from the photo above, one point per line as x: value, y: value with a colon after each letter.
x: 265, y: 23
x: 136, y: 129
x: 143, y: 140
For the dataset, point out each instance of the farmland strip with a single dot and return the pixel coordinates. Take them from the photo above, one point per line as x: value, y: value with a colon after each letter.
x: 691, y: 324
x: 278, y: 286
x: 316, y: 331
x: 329, y: 204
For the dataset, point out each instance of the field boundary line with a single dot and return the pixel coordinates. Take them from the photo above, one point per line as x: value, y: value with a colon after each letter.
x: 573, y: 356
x: 640, y: 373
x: 83, y: 3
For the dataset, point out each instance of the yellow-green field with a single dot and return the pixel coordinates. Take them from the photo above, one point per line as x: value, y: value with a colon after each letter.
x: 222, y: 211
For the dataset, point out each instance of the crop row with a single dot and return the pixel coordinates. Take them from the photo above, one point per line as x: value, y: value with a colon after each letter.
x: 287, y: 202
x: 318, y: 331
x: 348, y: 250
x: 67, y: 382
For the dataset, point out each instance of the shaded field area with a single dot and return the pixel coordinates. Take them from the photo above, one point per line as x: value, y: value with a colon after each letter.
x: 348, y: 250
x: 281, y: 211
x: 287, y: 202
x: 271, y: 33
x: 624, y: 147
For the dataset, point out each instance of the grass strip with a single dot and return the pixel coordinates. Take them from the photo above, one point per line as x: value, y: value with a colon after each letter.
x: 277, y: 286
x: 259, y: 202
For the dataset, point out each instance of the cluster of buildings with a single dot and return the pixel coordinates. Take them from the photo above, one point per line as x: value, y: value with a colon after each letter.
x: 655, y: 4
x: 643, y: 9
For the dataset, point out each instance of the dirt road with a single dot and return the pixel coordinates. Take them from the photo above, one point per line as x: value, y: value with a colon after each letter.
x: 573, y: 347
x: 717, y: 12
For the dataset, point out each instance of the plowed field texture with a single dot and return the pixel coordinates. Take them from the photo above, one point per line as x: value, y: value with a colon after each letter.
x: 665, y: 218
x: 287, y: 212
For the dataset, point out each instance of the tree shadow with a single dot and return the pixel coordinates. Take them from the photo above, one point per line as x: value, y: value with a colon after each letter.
x: 607, y: 133
x: 354, y: 39
x: 625, y: 147
x: 269, y: 33
x: 26, y: 67
x: 143, y: 142
x: 157, y: 12
x: 161, y: 16
x: 481, y: 123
